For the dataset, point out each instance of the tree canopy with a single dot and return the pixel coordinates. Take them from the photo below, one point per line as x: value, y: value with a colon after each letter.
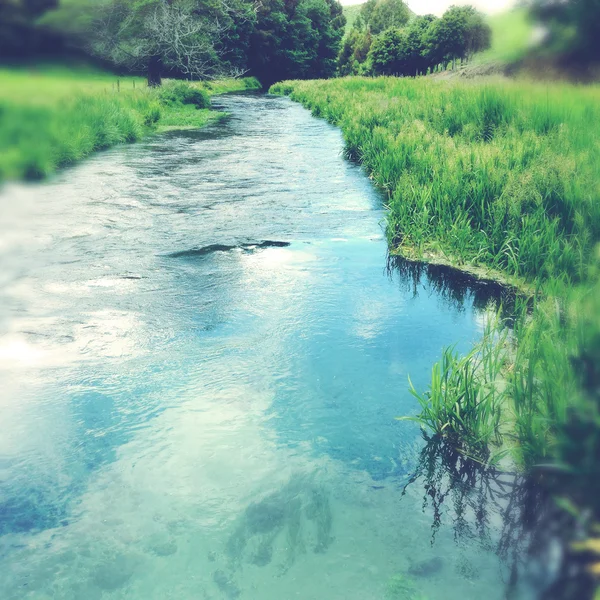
x: 573, y: 27
x: 296, y: 39
x: 188, y: 37
x: 379, y: 15
x: 414, y: 47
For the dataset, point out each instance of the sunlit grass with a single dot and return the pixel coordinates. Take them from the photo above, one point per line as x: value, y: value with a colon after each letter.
x: 53, y: 117
x: 500, y: 176
x: 513, y: 34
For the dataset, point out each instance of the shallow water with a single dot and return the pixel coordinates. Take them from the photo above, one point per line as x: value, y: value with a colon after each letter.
x: 203, y: 353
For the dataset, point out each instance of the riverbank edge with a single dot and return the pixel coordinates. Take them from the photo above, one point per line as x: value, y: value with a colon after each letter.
x: 534, y: 298
x: 428, y: 254
x: 64, y: 123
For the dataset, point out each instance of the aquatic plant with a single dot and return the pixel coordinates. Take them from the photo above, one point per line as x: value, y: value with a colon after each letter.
x: 462, y: 403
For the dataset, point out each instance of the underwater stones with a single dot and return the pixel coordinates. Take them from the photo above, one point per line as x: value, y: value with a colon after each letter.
x: 282, y: 525
x: 319, y: 510
x: 265, y: 516
x: 263, y: 555
x: 115, y: 573
x: 161, y: 545
x: 226, y: 585
x: 165, y: 548
x: 426, y: 568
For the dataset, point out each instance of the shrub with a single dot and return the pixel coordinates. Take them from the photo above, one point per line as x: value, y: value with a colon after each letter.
x: 180, y: 92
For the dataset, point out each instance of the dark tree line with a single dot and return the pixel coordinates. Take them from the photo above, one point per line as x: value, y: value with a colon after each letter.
x: 194, y: 39
x: 411, y: 46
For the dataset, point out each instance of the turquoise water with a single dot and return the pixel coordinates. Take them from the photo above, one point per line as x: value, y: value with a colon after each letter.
x: 203, y: 352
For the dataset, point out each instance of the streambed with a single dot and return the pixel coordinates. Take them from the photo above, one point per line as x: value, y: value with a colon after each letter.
x: 204, y: 348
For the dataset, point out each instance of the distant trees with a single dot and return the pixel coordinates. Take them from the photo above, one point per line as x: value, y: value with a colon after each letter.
x: 460, y: 33
x: 354, y: 52
x: 379, y: 15
x: 188, y: 37
x: 18, y: 33
x: 414, y: 48
x: 296, y: 39
x: 199, y: 39
x: 388, y: 52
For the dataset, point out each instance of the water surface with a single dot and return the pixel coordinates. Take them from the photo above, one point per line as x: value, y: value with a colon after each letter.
x: 203, y: 352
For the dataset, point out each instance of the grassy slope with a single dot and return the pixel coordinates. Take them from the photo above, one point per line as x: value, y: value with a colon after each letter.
x: 54, y: 116
x: 351, y: 13
x: 501, y: 175
x: 512, y: 34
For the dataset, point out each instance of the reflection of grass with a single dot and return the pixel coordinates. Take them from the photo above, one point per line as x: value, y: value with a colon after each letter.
x: 511, y: 37
x: 500, y: 175
x: 54, y: 117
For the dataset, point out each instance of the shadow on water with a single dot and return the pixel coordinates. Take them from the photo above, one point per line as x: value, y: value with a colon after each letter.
x: 457, y: 288
x: 534, y: 540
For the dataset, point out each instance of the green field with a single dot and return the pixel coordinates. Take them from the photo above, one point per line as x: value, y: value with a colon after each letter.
x: 53, y: 117
x: 501, y: 178
x: 512, y: 37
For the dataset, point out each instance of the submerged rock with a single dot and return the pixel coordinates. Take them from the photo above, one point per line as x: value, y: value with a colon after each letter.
x: 112, y: 575
x: 226, y: 584
x: 294, y: 517
x: 426, y: 568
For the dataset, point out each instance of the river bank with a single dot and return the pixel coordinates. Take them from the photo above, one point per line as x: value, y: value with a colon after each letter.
x: 497, y: 177
x: 55, y: 117
x: 204, y: 351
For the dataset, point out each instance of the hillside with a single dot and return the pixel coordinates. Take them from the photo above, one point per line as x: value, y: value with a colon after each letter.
x: 351, y: 13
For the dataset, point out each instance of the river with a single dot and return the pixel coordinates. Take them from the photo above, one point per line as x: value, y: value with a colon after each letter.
x: 203, y: 352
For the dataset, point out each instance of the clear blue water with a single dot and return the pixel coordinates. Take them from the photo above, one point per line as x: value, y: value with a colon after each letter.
x: 191, y: 410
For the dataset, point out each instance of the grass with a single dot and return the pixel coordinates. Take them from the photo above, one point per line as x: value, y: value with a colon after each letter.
x: 512, y: 36
x: 498, y: 177
x: 54, y: 117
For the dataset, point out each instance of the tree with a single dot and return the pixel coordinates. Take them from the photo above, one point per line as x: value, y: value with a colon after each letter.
x: 187, y: 37
x: 573, y: 27
x: 296, y: 39
x: 389, y: 52
x: 379, y: 15
x: 354, y: 52
x: 416, y: 42
x: 460, y: 33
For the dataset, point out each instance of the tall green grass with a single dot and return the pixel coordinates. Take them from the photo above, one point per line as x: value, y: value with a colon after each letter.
x: 55, y: 117
x: 501, y: 177
x: 498, y: 174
